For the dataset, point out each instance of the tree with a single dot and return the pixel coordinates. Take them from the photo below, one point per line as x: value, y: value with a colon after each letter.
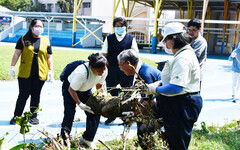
x: 39, y: 7
x: 17, y: 5
x: 22, y: 5
x: 66, y: 6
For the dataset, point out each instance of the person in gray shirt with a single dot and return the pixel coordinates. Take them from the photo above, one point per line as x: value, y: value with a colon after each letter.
x: 199, y: 43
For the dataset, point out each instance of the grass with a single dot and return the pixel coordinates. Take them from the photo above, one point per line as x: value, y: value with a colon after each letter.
x: 225, y: 137
x: 60, y: 59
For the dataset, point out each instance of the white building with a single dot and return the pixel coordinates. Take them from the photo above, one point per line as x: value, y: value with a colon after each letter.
x: 6, y: 25
x: 103, y: 9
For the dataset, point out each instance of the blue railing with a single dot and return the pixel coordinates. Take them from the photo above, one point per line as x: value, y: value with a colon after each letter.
x: 57, y: 38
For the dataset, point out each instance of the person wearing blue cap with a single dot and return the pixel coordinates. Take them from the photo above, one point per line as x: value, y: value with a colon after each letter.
x: 235, y: 58
x: 180, y: 102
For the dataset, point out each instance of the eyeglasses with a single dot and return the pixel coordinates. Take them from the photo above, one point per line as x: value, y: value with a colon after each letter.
x: 193, y: 30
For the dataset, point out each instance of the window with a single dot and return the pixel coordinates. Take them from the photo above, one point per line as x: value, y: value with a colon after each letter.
x: 49, y: 7
x: 138, y: 36
x: 87, y: 5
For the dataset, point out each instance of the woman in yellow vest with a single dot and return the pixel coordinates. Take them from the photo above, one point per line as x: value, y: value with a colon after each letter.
x: 35, y: 68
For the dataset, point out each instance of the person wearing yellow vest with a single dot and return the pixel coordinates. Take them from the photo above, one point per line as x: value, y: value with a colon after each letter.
x: 36, y: 66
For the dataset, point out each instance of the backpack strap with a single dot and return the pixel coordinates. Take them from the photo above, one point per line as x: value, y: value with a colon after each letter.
x: 87, y: 70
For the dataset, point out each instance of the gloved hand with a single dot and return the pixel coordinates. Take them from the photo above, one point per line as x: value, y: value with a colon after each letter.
x: 85, y: 108
x: 50, y: 77
x: 151, y: 88
x: 12, y: 71
x: 127, y: 113
x: 233, y: 54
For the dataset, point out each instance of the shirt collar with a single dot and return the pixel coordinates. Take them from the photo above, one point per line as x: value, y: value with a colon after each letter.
x: 197, y: 37
x: 183, y: 48
x: 138, y: 68
x: 120, y: 37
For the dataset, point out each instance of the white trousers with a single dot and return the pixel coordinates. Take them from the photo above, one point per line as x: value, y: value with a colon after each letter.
x: 235, y: 84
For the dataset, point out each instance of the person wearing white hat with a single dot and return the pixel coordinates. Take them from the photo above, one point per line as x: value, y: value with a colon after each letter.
x: 179, y: 102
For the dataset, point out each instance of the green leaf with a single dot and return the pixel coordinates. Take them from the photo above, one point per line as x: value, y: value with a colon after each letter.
x: 121, y: 94
x: 18, y: 147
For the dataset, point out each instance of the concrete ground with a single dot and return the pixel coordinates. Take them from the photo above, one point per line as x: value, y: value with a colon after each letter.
x: 216, y: 91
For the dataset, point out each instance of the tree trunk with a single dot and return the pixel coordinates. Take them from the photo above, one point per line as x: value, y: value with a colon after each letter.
x: 112, y: 107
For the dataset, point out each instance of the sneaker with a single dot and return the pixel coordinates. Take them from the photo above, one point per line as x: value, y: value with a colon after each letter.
x: 109, y: 121
x: 87, y: 143
x: 34, y: 121
x: 235, y: 100
x: 13, y: 121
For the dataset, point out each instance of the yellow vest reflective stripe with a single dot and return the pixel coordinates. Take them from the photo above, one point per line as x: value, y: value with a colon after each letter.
x: 27, y: 58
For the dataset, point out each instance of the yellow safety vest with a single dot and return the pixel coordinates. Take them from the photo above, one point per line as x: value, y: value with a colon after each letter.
x: 27, y: 58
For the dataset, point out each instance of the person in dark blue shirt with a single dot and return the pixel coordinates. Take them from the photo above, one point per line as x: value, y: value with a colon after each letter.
x: 127, y: 60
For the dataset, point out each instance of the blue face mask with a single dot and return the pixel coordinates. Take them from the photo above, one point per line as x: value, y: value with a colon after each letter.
x: 119, y: 30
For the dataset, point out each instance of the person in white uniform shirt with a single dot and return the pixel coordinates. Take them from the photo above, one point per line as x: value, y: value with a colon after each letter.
x: 113, y: 45
x: 179, y: 100
x: 76, y: 91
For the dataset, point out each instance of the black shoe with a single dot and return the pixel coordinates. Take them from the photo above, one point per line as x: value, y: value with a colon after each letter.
x: 109, y: 121
x: 13, y: 121
x: 235, y: 100
x: 34, y: 121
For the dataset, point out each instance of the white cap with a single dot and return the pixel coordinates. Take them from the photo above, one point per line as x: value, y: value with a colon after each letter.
x: 172, y: 28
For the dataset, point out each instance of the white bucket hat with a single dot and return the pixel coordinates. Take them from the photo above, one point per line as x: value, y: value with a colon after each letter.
x: 172, y: 28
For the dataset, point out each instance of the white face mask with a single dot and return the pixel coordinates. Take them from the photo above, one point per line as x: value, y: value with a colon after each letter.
x: 37, y: 30
x: 119, y: 30
x: 167, y: 50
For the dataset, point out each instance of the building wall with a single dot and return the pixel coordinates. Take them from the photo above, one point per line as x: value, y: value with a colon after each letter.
x: 86, y: 8
x: 105, y: 8
x: 51, y: 5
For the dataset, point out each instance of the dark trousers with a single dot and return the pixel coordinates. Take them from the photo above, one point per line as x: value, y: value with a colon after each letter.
x: 116, y: 76
x: 92, y: 120
x: 179, y: 114
x: 28, y: 86
x: 148, y: 129
x: 144, y: 129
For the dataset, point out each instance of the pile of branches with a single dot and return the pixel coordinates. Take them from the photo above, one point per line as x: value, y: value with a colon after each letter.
x: 113, y: 106
x: 129, y: 100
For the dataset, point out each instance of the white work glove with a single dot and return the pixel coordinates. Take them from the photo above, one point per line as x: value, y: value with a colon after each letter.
x: 127, y: 113
x: 50, y: 77
x: 12, y: 71
x: 151, y: 88
x: 234, y: 54
x: 85, y: 108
